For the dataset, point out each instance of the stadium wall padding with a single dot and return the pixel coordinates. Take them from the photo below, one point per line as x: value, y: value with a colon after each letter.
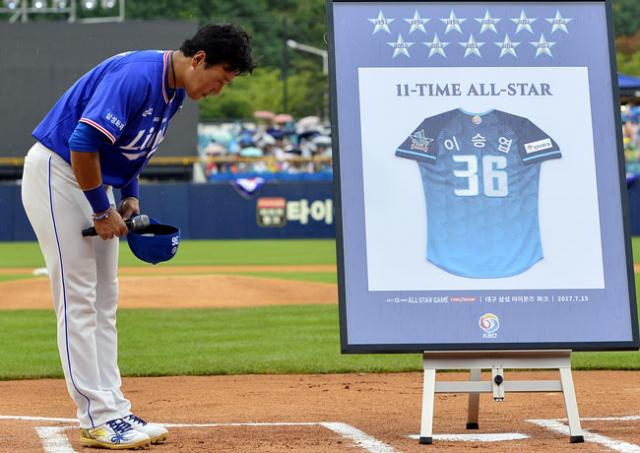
x: 212, y: 211
x: 218, y: 211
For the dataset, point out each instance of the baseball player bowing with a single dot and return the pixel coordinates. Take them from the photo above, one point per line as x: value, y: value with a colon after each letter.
x: 100, y: 135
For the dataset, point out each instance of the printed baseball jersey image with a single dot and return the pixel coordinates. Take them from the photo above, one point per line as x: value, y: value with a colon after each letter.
x: 480, y: 174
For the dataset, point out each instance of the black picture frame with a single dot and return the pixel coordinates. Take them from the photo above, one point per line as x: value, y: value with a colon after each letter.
x: 350, y: 346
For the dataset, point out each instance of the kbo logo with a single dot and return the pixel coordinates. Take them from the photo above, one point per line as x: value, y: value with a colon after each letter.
x: 490, y: 324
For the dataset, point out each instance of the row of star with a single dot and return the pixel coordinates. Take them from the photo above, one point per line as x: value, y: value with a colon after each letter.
x: 488, y: 23
x: 472, y: 47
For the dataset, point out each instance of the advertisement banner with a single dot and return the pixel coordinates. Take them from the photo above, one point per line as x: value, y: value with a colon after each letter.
x: 480, y: 191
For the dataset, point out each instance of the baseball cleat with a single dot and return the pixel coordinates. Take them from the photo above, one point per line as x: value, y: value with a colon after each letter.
x: 116, y: 434
x: 157, y: 433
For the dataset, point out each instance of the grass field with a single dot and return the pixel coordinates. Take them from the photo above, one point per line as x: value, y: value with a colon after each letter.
x: 193, y: 253
x: 292, y: 339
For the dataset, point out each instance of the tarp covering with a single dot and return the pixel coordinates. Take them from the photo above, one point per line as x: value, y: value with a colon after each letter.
x: 627, y: 82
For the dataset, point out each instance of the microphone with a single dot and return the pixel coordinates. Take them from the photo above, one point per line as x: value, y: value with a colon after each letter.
x: 135, y: 223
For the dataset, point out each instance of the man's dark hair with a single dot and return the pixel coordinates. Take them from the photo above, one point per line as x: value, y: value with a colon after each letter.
x: 222, y: 43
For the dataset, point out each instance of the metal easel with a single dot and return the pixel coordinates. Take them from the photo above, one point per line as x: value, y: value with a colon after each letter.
x: 497, y: 361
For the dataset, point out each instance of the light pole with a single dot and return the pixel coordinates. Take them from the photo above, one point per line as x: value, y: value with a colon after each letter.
x: 314, y: 50
x: 325, y: 67
x: 22, y: 8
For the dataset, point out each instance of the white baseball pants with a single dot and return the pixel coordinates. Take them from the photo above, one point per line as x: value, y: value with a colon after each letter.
x: 83, y: 274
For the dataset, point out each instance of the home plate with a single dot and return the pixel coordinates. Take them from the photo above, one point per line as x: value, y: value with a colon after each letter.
x: 496, y: 437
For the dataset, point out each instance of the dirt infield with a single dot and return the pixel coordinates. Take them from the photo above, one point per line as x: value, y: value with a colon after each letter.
x: 141, y: 287
x: 182, y: 270
x: 331, y: 414
x: 351, y: 413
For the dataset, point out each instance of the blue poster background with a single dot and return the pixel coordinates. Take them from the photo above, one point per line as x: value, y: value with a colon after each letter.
x: 396, y: 35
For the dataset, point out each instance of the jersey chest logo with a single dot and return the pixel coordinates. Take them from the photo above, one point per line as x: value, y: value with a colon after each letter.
x: 143, y: 142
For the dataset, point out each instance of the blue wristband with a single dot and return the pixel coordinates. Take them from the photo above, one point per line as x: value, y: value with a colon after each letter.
x: 98, y: 199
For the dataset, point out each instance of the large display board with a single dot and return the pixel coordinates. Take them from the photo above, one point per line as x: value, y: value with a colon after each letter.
x: 479, y: 180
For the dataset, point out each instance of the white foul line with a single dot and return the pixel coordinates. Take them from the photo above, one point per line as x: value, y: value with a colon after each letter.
x: 622, y: 447
x: 54, y: 440
x: 39, y: 419
x: 493, y: 437
x: 611, y: 419
x: 218, y: 425
x: 626, y: 418
x: 361, y: 438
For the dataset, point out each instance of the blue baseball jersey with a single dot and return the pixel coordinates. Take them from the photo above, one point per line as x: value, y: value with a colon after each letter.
x: 128, y: 99
x: 480, y: 174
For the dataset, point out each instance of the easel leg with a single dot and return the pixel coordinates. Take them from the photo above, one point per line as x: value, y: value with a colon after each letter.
x: 571, y: 404
x: 428, y: 394
x: 474, y: 402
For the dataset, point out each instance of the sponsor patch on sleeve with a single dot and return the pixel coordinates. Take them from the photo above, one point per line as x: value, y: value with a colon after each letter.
x: 540, y: 145
x: 113, y: 119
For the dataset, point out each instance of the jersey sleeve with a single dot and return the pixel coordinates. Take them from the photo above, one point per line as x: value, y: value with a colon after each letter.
x: 421, y: 145
x: 535, y: 145
x: 119, y: 95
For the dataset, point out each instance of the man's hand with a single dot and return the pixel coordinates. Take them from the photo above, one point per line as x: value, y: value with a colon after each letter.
x: 129, y: 207
x: 86, y: 167
x: 111, y: 226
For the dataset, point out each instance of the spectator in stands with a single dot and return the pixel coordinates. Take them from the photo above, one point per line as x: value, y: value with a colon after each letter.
x: 292, y: 150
